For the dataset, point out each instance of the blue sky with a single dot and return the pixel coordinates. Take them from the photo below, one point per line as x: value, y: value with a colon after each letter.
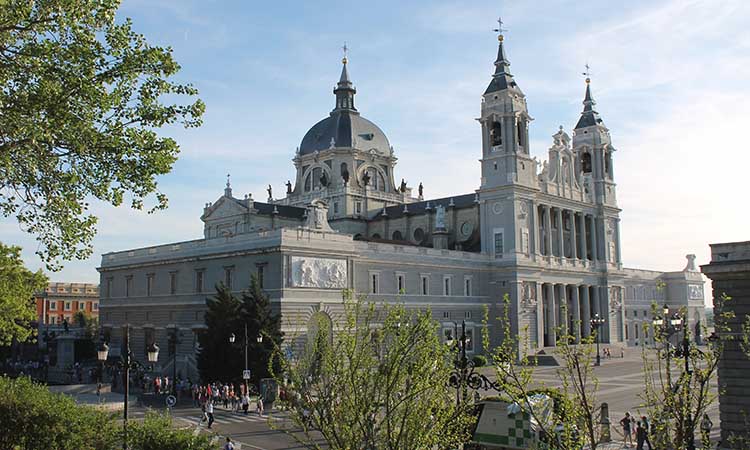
x: 669, y: 77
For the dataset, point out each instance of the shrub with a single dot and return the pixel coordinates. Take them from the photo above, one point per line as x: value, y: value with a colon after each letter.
x: 156, y: 433
x: 31, y: 417
x: 479, y: 361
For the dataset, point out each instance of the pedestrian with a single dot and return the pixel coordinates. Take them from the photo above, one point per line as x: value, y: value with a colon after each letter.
x: 210, y: 413
x: 647, y: 429
x: 229, y: 445
x: 260, y: 405
x: 625, y: 422
x: 640, y: 436
x: 245, y: 403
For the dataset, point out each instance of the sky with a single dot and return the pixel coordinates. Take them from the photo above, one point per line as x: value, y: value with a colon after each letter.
x: 669, y: 79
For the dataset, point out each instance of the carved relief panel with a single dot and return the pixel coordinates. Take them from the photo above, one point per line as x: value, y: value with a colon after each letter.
x: 324, y: 273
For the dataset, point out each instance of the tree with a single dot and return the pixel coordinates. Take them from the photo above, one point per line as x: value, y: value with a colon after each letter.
x: 216, y: 359
x: 17, y: 287
x: 80, y: 104
x: 227, y: 315
x: 378, y: 382
x: 261, y: 321
x: 574, y: 419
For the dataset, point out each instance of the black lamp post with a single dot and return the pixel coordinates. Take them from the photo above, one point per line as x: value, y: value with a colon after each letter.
x: 245, y: 374
x: 126, y: 363
x: 596, y: 323
x: 174, y: 341
x: 464, y: 376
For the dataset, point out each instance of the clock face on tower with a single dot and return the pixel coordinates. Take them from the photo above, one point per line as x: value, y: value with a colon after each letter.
x: 497, y: 208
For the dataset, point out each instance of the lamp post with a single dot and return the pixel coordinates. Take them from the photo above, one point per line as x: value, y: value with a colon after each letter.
x: 245, y: 374
x: 174, y: 341
x: 464, y: 376
x: 597, y: 322
x: 125, y: 363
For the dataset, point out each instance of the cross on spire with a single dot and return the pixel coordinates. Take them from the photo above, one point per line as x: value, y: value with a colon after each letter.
x: 587, y: 73
x: 345, y: 48
x: 499, y: 28
x: 228, y: 180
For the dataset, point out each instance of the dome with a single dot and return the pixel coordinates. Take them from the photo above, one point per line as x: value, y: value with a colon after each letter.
x: 345, y: 129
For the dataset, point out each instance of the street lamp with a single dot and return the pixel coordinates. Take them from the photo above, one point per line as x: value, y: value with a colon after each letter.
x: 245, y: 373
x: 597, y: 322
x: 174, y: 341
x: 464, y: 375
x: 152, y: 353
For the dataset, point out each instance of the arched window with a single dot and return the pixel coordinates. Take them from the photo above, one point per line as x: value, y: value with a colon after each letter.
x: 586, y: 162
x: 316, y: 177
x: 308, y: 183
x: 376, y: 236
x: 496, y: 134
x: 608, y: 164
x: 397, y: 236
x: 520, y: 127
x: 418, y: 235
x: 357, y: 237
x: 344, y: 172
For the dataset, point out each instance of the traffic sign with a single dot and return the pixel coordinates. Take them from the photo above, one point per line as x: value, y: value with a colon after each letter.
x: 171, y: 400
x: 246, y: 374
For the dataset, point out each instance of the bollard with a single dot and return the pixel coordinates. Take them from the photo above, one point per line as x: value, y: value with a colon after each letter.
x: 605, y: 435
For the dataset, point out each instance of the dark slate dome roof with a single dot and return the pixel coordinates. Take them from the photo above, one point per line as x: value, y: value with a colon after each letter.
x: 348, y: 129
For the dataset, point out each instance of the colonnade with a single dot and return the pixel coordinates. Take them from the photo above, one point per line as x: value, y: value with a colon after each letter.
x: 576, y: 235
x: 568, y: 308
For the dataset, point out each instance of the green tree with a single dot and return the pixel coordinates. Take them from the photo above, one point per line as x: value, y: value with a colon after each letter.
x: 575, y: 416
x: 217, y: 360
x: 17, y: 287
x: 80, y: 106
x: 378, y: 381
x: 261, y: 321
x: 156, y: 432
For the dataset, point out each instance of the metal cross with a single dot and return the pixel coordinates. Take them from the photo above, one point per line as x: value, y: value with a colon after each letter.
x: 345, y: 49
x: 227, y: 180
x: 587, y: 73
x: 499, y: 28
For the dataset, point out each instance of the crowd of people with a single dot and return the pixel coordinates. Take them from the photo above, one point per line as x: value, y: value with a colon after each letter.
x: 234, y: 398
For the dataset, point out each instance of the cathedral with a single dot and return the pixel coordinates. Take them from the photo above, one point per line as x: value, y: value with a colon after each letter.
x: 546, y: 234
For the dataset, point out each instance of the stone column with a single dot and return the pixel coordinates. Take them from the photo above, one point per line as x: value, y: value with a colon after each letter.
x: 534, y: 250
x: 586, y: 311
x: 604, y: 308
x: 618, y: 260
x: 537, y: 287
x: 548, y: 231
x: 584, y: 246
x: 551, y: 314
x: 562, y: 300
x: 594, y: 252
x: 576, y: 313
x: 573, y: 237
x: 560, y: 238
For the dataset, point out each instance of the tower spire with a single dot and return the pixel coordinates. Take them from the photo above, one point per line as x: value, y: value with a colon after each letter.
x: 589, y: 116
x: 344, y: 90
x: 502, y: 78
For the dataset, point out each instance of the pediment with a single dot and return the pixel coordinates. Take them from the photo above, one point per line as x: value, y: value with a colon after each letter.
x: 224, y: 207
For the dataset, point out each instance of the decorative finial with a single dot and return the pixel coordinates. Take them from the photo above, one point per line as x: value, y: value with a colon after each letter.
x: 344, y: 60
x: 587, y: 73
x: 228, y: 185
x: 499, y: 29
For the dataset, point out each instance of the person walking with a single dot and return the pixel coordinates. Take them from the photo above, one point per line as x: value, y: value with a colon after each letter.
x: 245, y: 402
x: 647, y: 428
x: 625, y: 422
x: 210, y: 413
x: 229, y: 445
x: 640, y: 435
x: 260, y: 405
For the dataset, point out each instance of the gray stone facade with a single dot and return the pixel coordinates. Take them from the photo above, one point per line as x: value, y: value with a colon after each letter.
x: 729, y: 271
x: 548, y: 237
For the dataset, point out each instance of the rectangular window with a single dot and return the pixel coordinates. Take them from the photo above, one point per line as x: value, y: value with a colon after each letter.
x: 374, y: 283
x: 446, y: 314
x: 53, y: 306
x: 400, y: 285
x: 172, y: 282
x: 95, y: 306
x: 149, y: 284
x: 425, y: 280
x: 447, y: 334
x: 499, y: 248
x: 128, y: 285
x: 357, y: 207
x: 199, y: 280
x: 228, y: 277
x: 467, y: 287
x: 52, y: 320
x: 467, y: 315
x: 67, y: 306
x: 447, y: 285
x: 109, y: 287
x: 335, y: 207
x: 260, y: 275
x: 81, y: 306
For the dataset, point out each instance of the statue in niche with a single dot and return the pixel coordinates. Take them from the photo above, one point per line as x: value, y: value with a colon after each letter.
x: 403, y: 186
x: 269, y: 189
x: 421, y: 190
x: 345, y: 174
x: 288, y: 187
x: 440, y: 217
x: 324, y: 179
x: 366, y: 178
